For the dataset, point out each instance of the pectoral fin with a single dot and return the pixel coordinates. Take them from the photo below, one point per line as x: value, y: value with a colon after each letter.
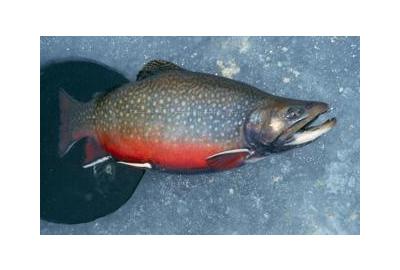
x: 228, y: 159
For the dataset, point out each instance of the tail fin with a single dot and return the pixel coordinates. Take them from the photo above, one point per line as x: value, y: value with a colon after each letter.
x: 75, y: 122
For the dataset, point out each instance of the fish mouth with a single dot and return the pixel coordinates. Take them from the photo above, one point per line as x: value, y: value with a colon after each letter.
x: 305, y: 130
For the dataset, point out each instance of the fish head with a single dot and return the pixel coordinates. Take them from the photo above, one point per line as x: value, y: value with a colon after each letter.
x: 282, y: 124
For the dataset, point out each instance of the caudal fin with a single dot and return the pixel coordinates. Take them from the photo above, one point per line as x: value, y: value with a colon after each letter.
x: 74, y: 122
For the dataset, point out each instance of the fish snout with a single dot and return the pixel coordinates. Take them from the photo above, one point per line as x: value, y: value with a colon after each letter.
x: 316, y: 107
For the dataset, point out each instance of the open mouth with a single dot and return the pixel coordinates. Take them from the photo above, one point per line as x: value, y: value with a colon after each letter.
x: 305, y: 131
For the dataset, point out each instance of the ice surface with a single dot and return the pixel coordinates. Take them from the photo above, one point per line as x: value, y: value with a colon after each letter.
x: 310, y: 190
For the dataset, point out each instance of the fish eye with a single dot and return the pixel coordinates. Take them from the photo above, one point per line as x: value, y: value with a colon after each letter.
x: 294, y: 112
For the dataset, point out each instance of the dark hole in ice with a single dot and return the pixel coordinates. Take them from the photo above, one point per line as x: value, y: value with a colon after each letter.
x: 69, y: 193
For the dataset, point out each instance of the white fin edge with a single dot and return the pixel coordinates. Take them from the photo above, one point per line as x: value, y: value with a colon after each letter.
x: 68, y: 148
x: 241, y: 150
x: 138, y: 165
x: 97, y: 161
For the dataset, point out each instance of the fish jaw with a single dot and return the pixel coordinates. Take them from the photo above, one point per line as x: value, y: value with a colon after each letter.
x: 311, y: 134
x: 304, y: 132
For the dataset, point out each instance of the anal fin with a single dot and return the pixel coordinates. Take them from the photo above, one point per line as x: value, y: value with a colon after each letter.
x: 94, y: 152
x: 228, y: 159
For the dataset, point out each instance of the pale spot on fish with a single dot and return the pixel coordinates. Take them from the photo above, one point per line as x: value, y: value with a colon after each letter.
x: 276, y: 124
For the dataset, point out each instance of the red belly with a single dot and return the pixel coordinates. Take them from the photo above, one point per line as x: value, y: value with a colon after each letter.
x: 165, y: 154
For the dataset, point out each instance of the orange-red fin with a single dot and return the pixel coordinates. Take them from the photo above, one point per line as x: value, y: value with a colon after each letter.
x: 93, y: 151
x: 228, y: 159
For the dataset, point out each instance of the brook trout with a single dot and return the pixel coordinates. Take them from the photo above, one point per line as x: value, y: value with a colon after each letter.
x: 174, y: 119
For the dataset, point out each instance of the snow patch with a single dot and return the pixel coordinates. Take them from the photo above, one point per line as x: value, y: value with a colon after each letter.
x: 229, y: 69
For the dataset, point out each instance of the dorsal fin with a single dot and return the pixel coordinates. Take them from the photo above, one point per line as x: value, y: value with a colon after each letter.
x: 154, y: 67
